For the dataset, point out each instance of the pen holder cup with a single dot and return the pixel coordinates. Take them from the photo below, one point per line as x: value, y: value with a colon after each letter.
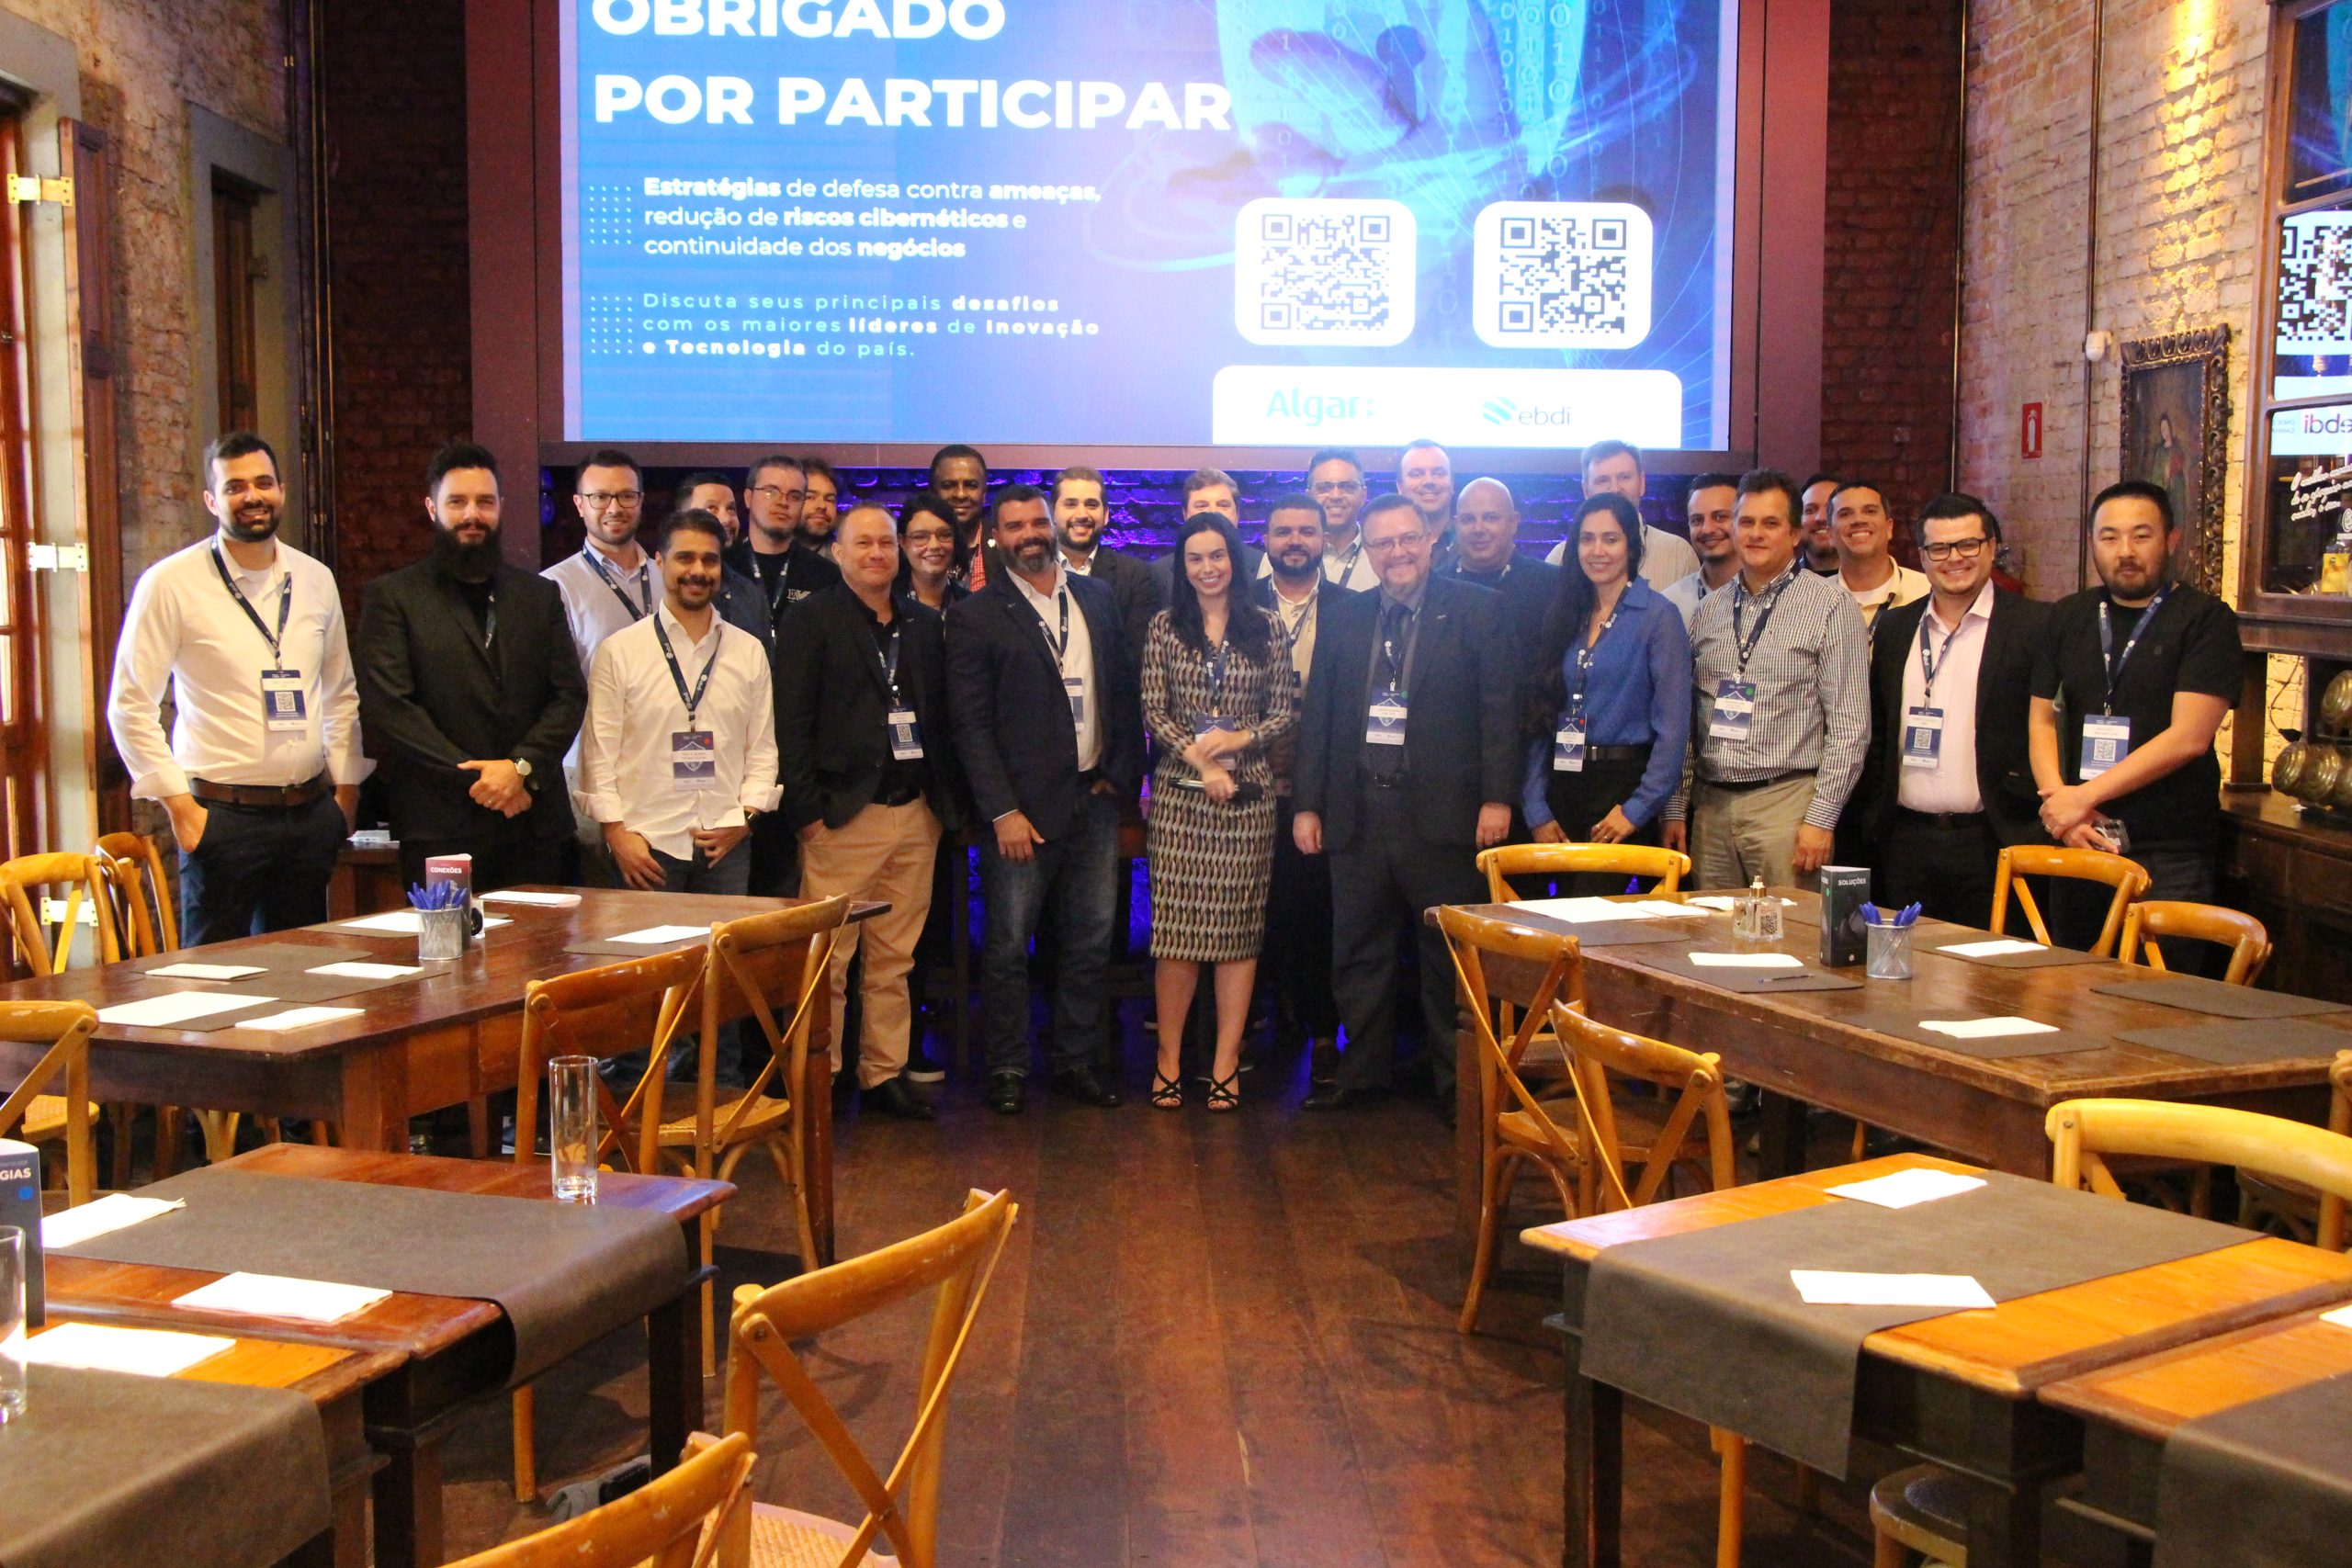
x: 441, y: 934
x: 1888, y: 954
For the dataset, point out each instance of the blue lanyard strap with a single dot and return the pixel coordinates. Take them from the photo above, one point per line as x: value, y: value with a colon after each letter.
x: 285, y: 607
x: 1928, y: 656
x: 636, y: 611
x: 1061, y: 644
x: 692, y: 699
x: 1584, y: 652
x: 2113, y: 661
x: 1744, y: 645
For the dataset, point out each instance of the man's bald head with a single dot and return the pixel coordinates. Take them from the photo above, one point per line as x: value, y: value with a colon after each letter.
x: 1486, y: 525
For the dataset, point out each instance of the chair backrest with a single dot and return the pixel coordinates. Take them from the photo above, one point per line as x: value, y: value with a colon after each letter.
x: 735, y: 986
x: 2084, y: 1132
x: 956, y: 1258
x: 44, y: 946
x: 1505, y: 860
x: 2128, y: 877
x: 1695, y: 1079
x: 65, y: 1027
x: 638, y: 1003
x: 678, y: 1520
x: 145, y: 921
x: 1471, y: 940
x: 2248, y: 942
x: 2339, y: 1120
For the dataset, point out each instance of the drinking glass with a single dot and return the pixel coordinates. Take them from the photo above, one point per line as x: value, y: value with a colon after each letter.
x: 11, y: 1323
x: 572, y: 1127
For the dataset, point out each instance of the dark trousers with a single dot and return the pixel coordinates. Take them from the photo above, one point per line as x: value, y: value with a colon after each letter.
x: 500, y: 860
x: 2185, y: 872
x: 1297, y: 953
x: 1578, y: 800
x: 1945, y: 867
x: 696, y: 874
x: 1380, y: 885
x: 1076, y: 877
x: 772, y: 860
x: 259, y: 868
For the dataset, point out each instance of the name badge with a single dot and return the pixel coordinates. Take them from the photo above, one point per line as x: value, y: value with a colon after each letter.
x: 906, y: 736
x: 1075, y: 686
x: 1568, y: 746
x: 694, y: 760
x: 1735, y: 711
x: 1923, y: 736
x: 282, y: 710
x: 2107, y: 740
x: 1384, y: 723
x: 1209, y: 724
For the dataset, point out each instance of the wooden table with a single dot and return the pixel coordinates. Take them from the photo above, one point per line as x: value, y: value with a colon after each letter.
x: 452, y: 1036
x: 2128, y: 1411
x: 452, y: 1351
x: 1800, y: 1048
x: 336, y: 1381
x: 1959, y: 1389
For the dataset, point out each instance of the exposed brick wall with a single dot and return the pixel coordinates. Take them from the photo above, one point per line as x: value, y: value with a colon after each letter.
x: 393, y: 78
x: 1893, y: 186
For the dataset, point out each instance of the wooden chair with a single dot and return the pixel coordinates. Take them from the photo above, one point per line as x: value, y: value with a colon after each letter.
x: 956, y: 1259
x: 1507, y: 861
x: 2149, y: 919
x: 2128, y: 877
x: 35, y: 1117
x: 678, y: 1520
x: 45, y: 896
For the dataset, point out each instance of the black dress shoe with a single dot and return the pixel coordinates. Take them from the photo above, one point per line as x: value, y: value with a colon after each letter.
x: 1340, y: 1097
x: 1080, y: 1084
x: 891, y: 1096
x: 1008, y: 1092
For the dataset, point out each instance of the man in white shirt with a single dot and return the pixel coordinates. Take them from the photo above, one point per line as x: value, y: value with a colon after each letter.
x: 261, y: 770
x: 1712, y: 501
x: 1865, y: 562
x: 678, y: 750
x: 1614, y: 467
x: 1335, y: 479
x: 611, y: 582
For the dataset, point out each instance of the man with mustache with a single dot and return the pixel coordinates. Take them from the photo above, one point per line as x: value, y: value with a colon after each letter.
x: 261, y: 770
x: 1708, y: 510
x: 1082, y: 508
x: 469, y: 691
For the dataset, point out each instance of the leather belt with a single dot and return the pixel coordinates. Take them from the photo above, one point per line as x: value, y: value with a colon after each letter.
x: 1946, y: 820
x: 282, y: 796
x: 1741, y: 786
x: 905, y: 795
x: 1617, y: 754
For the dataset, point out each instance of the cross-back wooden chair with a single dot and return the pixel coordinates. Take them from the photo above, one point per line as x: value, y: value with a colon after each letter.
x: 610, y: 1011
x: 1505, y: 860
x: 2127, y: 877
x: 64, y: 1112
x: 676, y: 1520
x: 46, y: 896
x: 956, y: 1259
x: 2149, y: 919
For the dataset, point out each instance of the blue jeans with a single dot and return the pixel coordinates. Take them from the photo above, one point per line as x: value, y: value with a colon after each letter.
x: 1077, y: 874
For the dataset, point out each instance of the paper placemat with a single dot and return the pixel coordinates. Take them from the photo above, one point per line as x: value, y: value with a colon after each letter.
x: 613, y: 947
x: 1710, y: 1324
x: 2247, y: 1040
x: 194, y: 1011
x: 290, y: 956
x: 2260, y: 1483
x: 106, y: 1348
x: 1747, y: 982
x: 1592, y: 933
x: 1903, y: 1022
x: 2039, y: 958
x: 2193, y: 993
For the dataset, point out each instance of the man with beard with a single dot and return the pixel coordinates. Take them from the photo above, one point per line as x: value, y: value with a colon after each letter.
x: 959, y: 475
x: 1708, y: 513
x: 740, y: 599
x: 1820, y: 546
x: 1080, y: 509
x: 678, y: 750
x: 1335, y: 479
x: 469, y: 691
x: 821, y: 504
x: 261, y: 770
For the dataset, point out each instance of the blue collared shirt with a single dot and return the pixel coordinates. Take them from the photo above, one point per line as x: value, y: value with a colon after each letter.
x: 1637, y: 693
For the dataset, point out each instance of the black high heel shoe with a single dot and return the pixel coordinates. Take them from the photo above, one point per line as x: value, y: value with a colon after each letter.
x: 1224, y: 1096
x: 1167, y: 1094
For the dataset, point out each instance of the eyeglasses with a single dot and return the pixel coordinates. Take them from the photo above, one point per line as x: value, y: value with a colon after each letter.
x: 1335, y: 486
x: 1966, y: 549
x: 930, y: 536
x: 774, y: 493
x: 1394, y: 543
x: 598, y: 500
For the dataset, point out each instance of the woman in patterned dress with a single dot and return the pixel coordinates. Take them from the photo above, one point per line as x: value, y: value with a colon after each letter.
x: 1216, y: 691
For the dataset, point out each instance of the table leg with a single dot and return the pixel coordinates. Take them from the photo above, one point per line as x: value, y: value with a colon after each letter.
x: 1780, y: 1148
x: 1474, y: 1087
x: 1595, y: 1480
x: 408, y: 1504
x: 674, y: 1376
x: 375, y: 1112
x: 2003, y: 1524
x: 816, y: 1092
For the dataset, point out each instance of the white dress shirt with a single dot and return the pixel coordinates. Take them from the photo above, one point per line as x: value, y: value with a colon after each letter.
x: 634, y: 709
x: 184, y: 627
x: 590, y: 602
x: 1951, y: 784
x: 1667, y: 558
x: 1902, y: 586
x: 1684, y: 594
x: 1350, y: 568
x: 1077, y: 658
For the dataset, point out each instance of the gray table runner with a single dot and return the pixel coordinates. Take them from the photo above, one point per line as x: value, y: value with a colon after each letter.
x: 105, y: 1467
x: 1709, y: 1324
x: 2265, y: 1484
x: 1905, y: 1023
x: 1748, y: 982
x: 2193, y: 994
x: 564, y: 1274
x: 2247, y: 1040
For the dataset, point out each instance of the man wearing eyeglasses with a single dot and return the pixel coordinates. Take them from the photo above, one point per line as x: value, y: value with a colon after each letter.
x: 610, y: 583
x: 1335, y: 479
x: 1948, y: 778
x: 772, y: 550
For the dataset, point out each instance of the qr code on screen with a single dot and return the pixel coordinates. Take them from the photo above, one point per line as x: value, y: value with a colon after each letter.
x: 2315, y: 283
x: 1323, y: 272
x: 1562, y: 275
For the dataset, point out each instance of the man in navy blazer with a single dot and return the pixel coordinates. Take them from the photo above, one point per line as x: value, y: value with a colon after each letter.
x: 1047, y: 712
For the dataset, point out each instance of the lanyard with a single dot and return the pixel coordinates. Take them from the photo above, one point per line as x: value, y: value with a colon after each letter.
x: 1061, y: 644
x: 2106, y: 641
x: 284, y: 605
x: 1400, y: 670
x: 890, y: 662
x: 489, y: 622
x: 636, y: 612
x: 1744, y: 647
x: 1928, y: 655
x: 1293, y: 620
x: 1217, y: 662
x: 1348, y: 562
x: 1584, y: 656
x: 692, y: 699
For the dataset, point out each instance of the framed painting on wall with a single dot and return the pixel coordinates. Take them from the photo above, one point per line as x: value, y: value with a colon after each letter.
x: 2176, y: 435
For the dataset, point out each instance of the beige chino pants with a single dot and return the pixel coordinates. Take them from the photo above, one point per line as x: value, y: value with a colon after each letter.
x: 884, y: 852
x: 1738, y: 836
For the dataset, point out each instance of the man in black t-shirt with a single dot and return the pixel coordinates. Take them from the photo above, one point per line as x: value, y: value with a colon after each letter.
x: 2128, y: 688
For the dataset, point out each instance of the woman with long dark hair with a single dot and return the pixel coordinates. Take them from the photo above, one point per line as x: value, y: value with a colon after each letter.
x: 931, y: 552
x: 1217, y: 694
x: 1610, y: 696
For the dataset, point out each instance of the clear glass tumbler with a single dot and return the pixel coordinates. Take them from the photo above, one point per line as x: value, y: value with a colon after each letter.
x: 11, y: 1323
x: 572, y: 1127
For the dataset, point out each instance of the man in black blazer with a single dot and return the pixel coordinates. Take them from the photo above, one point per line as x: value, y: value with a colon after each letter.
x: 1485, y: 554
x: 1407, y: 762
x: 1948, y: 779
x: 869, y: 778
x: 470, y: 691
x: 1048, y: 722
x: 1082, y: 508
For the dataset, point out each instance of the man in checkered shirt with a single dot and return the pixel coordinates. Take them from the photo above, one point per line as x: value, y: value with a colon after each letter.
x: 1780, y: 705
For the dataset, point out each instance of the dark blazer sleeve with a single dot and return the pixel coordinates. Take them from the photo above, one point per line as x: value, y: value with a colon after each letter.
x: 1500, y: 757
x: 1310, y: 779
x: 391, y: 715
x: 551, y: 734
x: 798, y: 668
x: 973, y: 650
x: 926, y: 645
x: 1896, y: 631
x: 1123, y: 699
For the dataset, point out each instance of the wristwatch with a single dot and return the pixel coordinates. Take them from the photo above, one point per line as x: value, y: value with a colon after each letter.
x: 522, y: 766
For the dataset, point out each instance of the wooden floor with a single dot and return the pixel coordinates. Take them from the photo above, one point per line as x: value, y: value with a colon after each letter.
x: 1213, y: 1340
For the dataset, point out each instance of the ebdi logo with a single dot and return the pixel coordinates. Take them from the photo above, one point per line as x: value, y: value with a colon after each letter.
x: 1501, y: 411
